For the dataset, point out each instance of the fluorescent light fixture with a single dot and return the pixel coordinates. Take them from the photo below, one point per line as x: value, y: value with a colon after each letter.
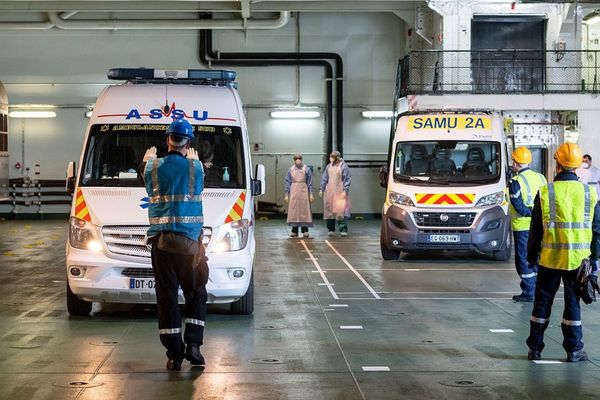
x: 32, y: 114
x: 295, y: 114
x: 377, y: 114
x: 592, y: 19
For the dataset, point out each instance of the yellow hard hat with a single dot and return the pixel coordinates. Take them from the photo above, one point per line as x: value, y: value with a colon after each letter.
x: 568, y: 155
x: 522, y: 155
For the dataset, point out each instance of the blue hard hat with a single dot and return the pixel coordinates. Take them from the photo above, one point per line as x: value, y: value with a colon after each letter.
x: 181, y: 128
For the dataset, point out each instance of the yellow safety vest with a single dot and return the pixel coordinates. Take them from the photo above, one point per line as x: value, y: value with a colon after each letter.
x: 530, y: 182
x: 567, y: 213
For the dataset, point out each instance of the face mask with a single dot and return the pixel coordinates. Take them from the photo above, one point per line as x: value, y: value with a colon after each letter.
x: 585, y: 165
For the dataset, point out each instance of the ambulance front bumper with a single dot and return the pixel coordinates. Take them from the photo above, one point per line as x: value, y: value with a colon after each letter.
x: 104, y: 279
x: 487, y: 232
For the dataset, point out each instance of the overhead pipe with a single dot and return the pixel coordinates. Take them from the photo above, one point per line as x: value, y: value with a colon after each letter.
x: 221, y: 58
x: 170, y: 24
x: 205, y: 45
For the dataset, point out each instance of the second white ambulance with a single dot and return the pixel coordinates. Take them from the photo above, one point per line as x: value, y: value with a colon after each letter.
x: 447, y: 185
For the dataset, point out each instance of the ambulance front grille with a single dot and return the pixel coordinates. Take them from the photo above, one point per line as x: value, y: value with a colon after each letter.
x: 440, y: 219
x: 126, y: 240
x: 138, y: 272
x: 131, y: 240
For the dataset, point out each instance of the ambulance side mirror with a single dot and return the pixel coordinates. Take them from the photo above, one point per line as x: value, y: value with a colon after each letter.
x: 70, y: 184
x: 258, y: 184
x: 383, y: 176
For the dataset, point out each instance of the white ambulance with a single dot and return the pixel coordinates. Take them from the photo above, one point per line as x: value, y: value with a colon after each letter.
x: 107, y: 258
x: 447, y: 185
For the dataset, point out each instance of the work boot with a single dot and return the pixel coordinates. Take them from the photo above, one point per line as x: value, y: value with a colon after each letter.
x: 294, y: 234
x: 305, y: 234
x: 576, y: 356
x: 193, y: 355
x: 534, y: 355
x: 330, y: 233
x: 521, y: 298
x: 343, y: 234
x: 174, y: 365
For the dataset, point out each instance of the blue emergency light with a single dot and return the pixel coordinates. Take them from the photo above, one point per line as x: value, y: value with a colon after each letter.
x: 221, y: 76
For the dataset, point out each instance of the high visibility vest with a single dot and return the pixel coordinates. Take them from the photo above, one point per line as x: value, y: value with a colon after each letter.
x: 568, y: 212
x: 174, y: 185
x: 530, y: 182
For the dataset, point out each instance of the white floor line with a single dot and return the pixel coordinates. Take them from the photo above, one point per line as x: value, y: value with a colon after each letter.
x: 432, y: 298
x: 359, y: 276
x: 547, y: 362
x: 351, y: 327
x: 318, y: 267
x: 423, y: 292
x: 426, y: 269
x: 338, y: 305
x: 374, y: 368
x: 502, y: 331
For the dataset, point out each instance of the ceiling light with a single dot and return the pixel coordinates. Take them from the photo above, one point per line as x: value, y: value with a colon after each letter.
x: 295, y: 114
x: 377, y: 114
x: 32, y: 114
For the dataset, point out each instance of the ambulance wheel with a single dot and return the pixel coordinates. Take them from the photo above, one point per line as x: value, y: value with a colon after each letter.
x: 386, y: 253
x: 506, y: 252
x: 76, y: 306
x: 245, y: 304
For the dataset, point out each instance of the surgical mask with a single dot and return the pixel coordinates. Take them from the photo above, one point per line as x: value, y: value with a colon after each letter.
x: 585, y: 165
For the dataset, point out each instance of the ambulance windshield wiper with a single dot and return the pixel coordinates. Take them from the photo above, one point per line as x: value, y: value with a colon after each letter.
x: 441, y: 181
x: 412, y: 178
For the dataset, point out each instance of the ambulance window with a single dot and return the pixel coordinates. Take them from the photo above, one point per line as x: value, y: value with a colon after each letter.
x: 462, y: 162
x: 114, y: 153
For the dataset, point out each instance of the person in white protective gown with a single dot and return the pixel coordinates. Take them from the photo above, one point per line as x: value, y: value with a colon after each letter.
x: 298, y: 193
x: 334, y: 189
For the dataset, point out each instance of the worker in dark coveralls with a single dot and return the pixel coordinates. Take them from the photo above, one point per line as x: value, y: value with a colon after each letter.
x: 174, y: 184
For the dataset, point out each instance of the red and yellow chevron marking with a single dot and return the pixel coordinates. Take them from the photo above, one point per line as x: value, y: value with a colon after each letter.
x: 445, y: 198
x: 237, y: 210
x: 81, y: 210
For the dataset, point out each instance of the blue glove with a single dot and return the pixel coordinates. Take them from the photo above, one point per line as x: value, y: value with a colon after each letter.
x: 595, y: 264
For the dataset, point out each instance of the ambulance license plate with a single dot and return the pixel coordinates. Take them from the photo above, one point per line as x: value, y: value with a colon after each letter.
x: 141, y: 283
x: 444, y: 238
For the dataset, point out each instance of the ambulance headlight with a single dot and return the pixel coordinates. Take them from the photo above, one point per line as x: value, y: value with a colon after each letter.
x: 82, y: 235
x: 235, y: 237
x: 400, y: 199
x: 491, y: 199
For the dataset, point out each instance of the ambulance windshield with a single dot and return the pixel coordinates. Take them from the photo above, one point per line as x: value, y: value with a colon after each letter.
x: 114, y: 152
x: 447, y: 162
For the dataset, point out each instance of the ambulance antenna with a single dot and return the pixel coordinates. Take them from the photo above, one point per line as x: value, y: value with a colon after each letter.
x: 166, y: 108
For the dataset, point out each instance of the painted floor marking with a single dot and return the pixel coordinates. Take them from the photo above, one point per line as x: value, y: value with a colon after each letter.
x: 502, y: 331
x: 325, y: 284
x: 359, y: 276
x: 329, y: 309
x: 351, y: 327
x: 318, y: 267
x: 338, y: 305
x: 411, y: 269
x: 547, y: 362
x: 374, y: 368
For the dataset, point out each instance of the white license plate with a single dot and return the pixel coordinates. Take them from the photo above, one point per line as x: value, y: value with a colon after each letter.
x: 141, y: 284
x: 444, y: 238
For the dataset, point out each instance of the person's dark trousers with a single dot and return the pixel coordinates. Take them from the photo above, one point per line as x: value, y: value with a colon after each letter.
x: 526, y: 272
x: 548, y: 283
x: 191, y: 272
x: 331, y: 225
x: 295, y: 229
x: 342, y: 224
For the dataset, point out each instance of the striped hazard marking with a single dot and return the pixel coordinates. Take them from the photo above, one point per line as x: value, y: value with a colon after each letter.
x: 237, y: 210
x: 445, y: 198
x: 81, y: 210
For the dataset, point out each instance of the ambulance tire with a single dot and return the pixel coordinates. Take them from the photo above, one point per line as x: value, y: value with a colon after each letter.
x: 506, y: 252
x: 76, y: 306
x: 245, y: 304
x: 386, y: 253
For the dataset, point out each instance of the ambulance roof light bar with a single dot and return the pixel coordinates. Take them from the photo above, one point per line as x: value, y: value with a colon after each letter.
x: 150, y: 74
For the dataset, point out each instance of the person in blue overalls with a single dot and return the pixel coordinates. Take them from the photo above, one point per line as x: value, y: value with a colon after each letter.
x: 522, y: 188
x: 174, y: 184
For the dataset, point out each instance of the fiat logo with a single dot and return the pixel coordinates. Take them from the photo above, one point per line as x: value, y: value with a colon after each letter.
x: 444, y: 217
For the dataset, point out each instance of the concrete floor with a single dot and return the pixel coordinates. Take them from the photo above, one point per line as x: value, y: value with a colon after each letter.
x: 425, y: 321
